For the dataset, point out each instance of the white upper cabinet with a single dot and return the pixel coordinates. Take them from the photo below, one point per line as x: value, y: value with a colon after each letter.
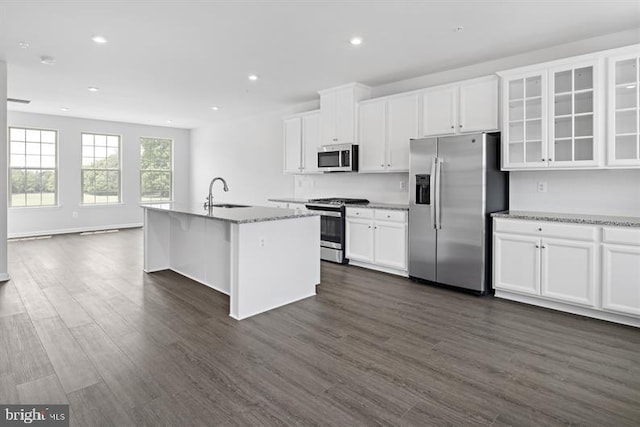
x: 386, y: 125
x: 624, y: 112
x: 301, y: 141
x: 338, y: 107
x: 573, y: 108
x: 468, y: 106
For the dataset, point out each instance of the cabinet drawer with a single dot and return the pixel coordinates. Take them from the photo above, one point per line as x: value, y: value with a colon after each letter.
x: 360, y: 212
x: 544, y: 228
x: 621, y: 235
x: 389, y: 215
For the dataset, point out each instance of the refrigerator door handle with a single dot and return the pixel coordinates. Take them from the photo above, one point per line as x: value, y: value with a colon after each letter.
x: 432, y: 193
x: 438, y: 164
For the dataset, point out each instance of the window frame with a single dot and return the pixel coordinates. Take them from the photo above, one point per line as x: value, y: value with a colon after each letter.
x: 55, y: 169
x: 83, y: 168
x: 140, y: 170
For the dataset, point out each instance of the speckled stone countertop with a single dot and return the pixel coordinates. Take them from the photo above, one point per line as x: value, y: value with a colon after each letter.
x: 376, y: 205
x: 289, y: 200
x: 616, y: 221
x: 234, y: 215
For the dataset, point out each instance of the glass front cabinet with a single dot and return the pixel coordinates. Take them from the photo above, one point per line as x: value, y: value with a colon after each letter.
x: 550, y: 118
x: 623, y: 134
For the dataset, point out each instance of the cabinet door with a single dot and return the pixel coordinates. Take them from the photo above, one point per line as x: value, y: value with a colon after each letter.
x: 569, y: 271
x: 372, y: 136
x: 624, y: 111
x: 573, y: 110
x: 328, y: 113
x: 292, y: 144
x: 402, y: 125
x: 524, y: 126
x: 390, y: 242
x: 345, y: 129
x: 439, y: 111
x: 310, y: 142
x: 479, y: 106
x: 516, y: 263
x: 621, y: 278
x: 359, y: 239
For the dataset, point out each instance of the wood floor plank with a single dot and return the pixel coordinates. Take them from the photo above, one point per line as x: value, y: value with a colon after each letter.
x: 111, y: 322
x: 8, y: 390
x: 22, y: 354
x: 34, y: 300
x: 71, y: 364
x: 45, y: 390
x: 10, y: 302
x: 71, y: 313
x: 96, y: 405
x: 120, y: 375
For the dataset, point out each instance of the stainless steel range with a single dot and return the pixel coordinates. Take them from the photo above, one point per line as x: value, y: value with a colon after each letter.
x: 332, y: 236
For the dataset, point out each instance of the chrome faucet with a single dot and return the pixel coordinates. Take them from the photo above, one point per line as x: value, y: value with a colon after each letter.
x: 208, y: 204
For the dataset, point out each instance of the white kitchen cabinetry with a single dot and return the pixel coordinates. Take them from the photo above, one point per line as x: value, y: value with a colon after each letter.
x: 624, y: 110
x: 301, y: 141
x: 556, y: 261
x: 377, y: 239
x: 552, y: 115
x: 621, y: 270
x: 386, y: 125
x: 338, y: 108
x: 469, y: 106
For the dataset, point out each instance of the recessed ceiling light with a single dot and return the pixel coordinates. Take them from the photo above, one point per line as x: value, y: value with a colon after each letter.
x: 24, y: 45
x: 99, y: 39
x: 215, y: 108
x: 253, y: 77
x: 93, y: 89
x: 47, y: 60
x: 64, y: 109
x: 356, y: 41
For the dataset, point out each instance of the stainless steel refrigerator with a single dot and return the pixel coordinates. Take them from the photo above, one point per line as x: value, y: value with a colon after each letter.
x: 455, y: 183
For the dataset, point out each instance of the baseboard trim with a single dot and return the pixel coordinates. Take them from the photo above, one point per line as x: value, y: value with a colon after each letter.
x: 73, y: 230
x: 5, y: 277
x: 397, y: 272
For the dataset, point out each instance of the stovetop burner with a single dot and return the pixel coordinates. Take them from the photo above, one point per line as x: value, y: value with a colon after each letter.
x: 340, y: 201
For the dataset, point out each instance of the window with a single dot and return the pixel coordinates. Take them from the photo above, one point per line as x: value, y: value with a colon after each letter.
x: 156, y: 169
x: 33, y: 167
x: 100, y: 169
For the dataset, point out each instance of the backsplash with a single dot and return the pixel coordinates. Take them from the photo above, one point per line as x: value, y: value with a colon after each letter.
x: 384, y: 188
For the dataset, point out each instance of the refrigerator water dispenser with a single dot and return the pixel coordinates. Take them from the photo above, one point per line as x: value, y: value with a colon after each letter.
x: 423, y: 190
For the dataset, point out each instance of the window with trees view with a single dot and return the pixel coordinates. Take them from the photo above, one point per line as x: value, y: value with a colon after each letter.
x: 156, y: 169
x: 100, y: 168
x: 32, y: 167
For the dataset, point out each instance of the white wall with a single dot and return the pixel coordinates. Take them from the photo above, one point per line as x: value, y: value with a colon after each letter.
x: 247, y: 153
x: 59, y: 219
x: 3, y: 170
x: 599, y: 192
x: 374, y: 187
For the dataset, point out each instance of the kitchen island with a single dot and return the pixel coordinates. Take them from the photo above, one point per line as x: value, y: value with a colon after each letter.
x: 261, y: 257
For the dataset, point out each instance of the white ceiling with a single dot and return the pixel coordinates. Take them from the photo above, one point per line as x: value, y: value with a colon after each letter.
x: 173, y: 60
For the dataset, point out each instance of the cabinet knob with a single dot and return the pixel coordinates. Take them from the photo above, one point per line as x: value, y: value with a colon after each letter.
x: 382, y: 165
x: 357, y: 213
x: 375, y: 228
x: 460, y: 125
x: 540, y: 229
x: 369, y: 226
x: 544, y: 247
x: 388, y: 216
x: 452, y: 126
x: 550, y: 159
x: 389, y: 165
x: 544, y: 160
x: 537, y: 247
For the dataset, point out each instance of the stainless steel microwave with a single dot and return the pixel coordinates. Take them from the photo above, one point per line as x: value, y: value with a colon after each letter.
x: 338, y: 158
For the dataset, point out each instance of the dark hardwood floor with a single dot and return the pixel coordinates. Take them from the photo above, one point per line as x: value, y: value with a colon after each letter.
x: 81, y: 323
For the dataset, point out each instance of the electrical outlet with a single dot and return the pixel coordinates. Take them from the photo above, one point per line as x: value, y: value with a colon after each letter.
x: 74, y: 214
x: 261, y: 242
x: 403, y: 185
x: 542, y: 186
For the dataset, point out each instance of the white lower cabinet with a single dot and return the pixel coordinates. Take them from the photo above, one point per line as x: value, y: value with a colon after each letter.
x: 377, y: 238
x: 584, y: 269
x: 621, y: 270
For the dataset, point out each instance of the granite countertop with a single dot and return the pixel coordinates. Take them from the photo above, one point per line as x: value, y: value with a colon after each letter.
x: 233, y: 215
x: 370, y: 205
x: 617, y: 221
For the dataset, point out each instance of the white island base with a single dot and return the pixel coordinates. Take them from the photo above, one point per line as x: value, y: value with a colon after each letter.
x: 261, y: 264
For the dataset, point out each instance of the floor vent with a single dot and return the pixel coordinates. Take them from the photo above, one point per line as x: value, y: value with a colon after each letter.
x: 89, y: 233
x: 24, y: 239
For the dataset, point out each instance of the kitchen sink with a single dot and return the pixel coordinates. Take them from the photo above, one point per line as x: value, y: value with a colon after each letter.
x: 229, y: 205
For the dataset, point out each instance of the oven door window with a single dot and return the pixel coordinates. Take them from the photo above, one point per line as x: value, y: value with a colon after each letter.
x: 329, y: 159
x: 331, y: 229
